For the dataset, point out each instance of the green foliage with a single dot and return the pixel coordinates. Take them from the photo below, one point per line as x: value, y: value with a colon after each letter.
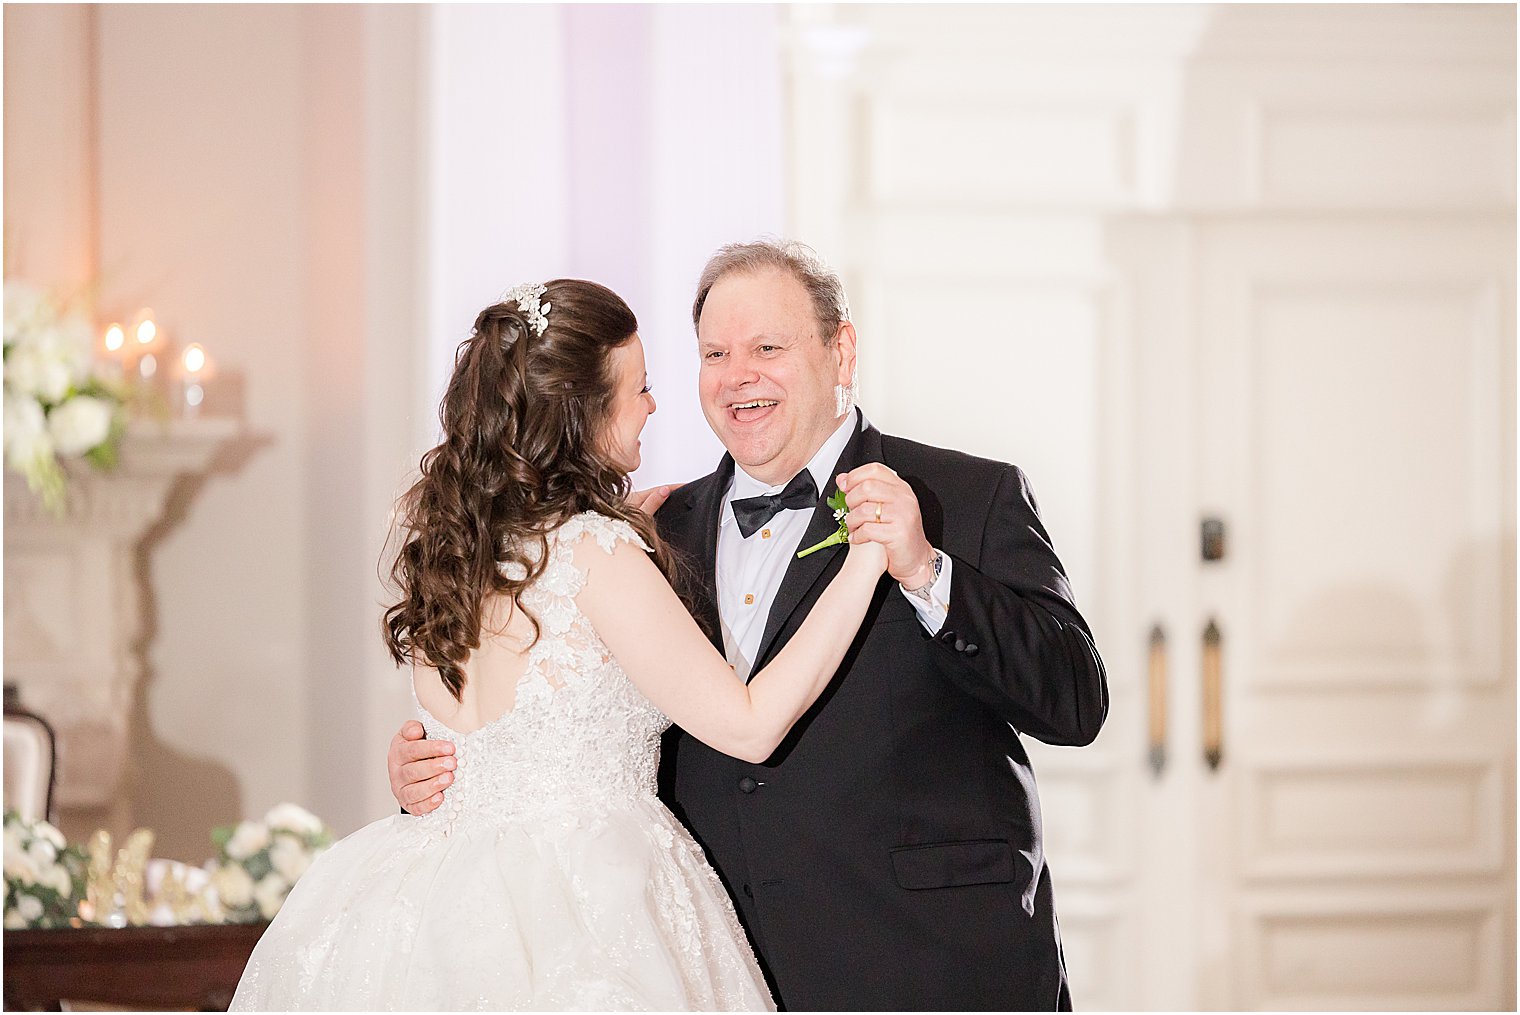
x: 841, y: 534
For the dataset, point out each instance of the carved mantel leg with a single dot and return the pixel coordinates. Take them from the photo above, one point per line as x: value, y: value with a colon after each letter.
x: 74, y: 609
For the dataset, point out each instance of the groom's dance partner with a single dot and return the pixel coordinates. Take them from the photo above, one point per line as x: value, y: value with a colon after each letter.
x: 889, y: 854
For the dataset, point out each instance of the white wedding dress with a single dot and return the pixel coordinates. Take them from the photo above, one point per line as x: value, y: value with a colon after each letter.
x: 551, y: 877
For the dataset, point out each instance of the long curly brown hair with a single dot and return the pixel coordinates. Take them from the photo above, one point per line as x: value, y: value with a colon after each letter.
x: 523, y: 420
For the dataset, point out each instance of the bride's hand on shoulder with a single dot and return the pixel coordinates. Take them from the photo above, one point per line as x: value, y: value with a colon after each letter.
x: 649, y: 501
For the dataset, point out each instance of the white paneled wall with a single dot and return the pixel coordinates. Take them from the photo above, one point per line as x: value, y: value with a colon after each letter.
x: 534, y: 172
x: 1250, y: 261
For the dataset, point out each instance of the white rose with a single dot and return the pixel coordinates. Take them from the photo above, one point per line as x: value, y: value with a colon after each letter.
x: 289, y: 857
x: 19, y: 865
x: 51, y: 834
x: 293, y: 818
x: 38, y: 370
x: 81, y: 423
x: 45, y: 353
x: 247, y: 839
x: 30, y: 907
x: 269, y: 894
x: 233, y: 886
x: 26, y: 310
x: 13, y: 920
x: 57, y: 878
x: 42, y: 853
x: 26, y: 433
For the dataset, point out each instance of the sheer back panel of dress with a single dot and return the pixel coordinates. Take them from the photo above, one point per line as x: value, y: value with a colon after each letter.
x: 492, y: 671
x: 508, y: 655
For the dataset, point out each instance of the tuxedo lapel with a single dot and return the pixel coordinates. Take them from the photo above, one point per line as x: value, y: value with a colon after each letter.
x: 803, y: 582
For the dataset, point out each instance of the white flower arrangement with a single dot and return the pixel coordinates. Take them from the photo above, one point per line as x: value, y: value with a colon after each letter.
x: 258, y: 862
x: 56, y: 406
x: 44, y: 876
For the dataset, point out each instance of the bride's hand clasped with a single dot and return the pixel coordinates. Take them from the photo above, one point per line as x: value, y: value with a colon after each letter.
x: 866, y: 554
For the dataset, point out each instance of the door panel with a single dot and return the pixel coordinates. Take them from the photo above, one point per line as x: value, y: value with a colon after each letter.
x: 1352, y: 430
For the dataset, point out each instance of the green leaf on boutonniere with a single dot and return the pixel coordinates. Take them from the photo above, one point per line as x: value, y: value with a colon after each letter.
x: 841, y: 534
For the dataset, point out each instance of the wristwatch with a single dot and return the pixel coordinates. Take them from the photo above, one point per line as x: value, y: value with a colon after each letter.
x: 922, y: 592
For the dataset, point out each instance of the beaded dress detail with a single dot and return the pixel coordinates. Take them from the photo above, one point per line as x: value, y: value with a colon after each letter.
x: 550, y: 879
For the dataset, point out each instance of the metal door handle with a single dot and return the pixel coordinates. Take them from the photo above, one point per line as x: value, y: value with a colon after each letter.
x: 1157, y: 700
x: 1213, y: 694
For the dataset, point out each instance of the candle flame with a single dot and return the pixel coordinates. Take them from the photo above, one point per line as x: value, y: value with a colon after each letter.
x: 195, y: 359
x: 115, y: 338
x: 147, y: 331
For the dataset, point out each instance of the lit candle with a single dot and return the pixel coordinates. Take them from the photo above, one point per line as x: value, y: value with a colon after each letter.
x: 114, y: 343
x: 141, y: 349
x: 196, y: 366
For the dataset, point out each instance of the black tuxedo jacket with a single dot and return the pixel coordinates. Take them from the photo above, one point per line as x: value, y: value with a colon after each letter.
x: 888, y: 855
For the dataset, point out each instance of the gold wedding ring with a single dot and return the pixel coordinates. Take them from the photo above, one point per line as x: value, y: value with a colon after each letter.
x: 878, y: 511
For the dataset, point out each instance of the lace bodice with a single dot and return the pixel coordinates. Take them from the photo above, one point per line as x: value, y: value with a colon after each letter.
x: 580, y: 739
x: 551, y: 879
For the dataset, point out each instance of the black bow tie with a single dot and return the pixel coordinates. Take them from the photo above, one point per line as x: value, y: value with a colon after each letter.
x: 753, y: 512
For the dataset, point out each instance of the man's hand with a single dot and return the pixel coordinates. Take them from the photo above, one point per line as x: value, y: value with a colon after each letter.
x: 420, y: 769
x: 649, y: 501
x: 884, y: 509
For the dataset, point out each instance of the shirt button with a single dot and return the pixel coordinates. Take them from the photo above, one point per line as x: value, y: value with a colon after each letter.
x: 749, y: 599
x: 765, y: 533
x: 748, y: 785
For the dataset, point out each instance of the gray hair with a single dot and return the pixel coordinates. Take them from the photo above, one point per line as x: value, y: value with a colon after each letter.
x: 830, y: 305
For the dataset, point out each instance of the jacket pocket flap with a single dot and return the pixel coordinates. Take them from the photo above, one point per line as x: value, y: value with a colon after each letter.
x: 950, y: 864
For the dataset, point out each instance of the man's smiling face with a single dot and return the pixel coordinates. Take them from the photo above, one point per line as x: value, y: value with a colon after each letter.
x: 767, y: 379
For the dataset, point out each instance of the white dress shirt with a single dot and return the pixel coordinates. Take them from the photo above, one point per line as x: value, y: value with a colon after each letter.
x: 750, y: 570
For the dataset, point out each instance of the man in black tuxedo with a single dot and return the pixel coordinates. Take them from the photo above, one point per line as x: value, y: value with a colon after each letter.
x: 889, y: 854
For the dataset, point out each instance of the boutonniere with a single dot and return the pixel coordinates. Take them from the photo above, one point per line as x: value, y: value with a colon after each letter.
x: 839, y: 535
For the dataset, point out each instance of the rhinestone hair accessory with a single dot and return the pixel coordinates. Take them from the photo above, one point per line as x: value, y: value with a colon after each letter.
x: 526, y: 296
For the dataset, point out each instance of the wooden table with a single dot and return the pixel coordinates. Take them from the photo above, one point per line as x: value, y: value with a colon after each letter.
x: 185, y: 968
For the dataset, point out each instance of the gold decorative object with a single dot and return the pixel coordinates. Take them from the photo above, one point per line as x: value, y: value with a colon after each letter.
x: 100, y: 887
x: 184, y: 904
x: 131, y: 877
x: 116, y: 895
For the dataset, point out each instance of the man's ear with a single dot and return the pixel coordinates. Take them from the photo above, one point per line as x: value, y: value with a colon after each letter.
x: 844, y: 351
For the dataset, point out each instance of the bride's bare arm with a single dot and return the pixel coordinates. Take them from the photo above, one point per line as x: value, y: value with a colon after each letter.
x: 670, y: 660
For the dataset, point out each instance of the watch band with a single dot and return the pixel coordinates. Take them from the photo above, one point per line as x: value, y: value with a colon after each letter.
x: 922, y: 592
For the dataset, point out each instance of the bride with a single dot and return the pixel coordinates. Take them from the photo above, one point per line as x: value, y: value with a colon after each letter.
x: 547, y: 643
